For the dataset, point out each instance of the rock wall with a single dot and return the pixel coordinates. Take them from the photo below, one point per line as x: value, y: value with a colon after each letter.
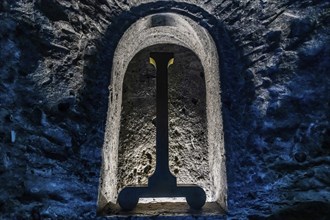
x: 55, y: 63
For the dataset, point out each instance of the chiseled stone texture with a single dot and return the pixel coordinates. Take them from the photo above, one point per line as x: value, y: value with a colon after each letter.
x: 55, y: 63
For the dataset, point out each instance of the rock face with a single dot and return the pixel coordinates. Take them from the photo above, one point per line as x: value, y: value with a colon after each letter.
x: 55, y: 63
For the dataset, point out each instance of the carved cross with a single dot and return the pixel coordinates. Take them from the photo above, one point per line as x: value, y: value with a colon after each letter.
x: 162, y: 183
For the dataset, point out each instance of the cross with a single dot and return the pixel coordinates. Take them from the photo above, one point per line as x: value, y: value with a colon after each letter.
x: 162, y: 183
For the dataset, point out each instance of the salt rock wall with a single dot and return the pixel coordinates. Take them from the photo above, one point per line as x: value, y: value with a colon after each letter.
x: 55, y: 63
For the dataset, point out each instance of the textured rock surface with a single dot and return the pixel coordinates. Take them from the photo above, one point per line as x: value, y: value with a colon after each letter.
x: 55, y: 59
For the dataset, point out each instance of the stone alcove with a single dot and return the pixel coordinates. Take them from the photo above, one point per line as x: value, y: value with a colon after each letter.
x: 182, y: 34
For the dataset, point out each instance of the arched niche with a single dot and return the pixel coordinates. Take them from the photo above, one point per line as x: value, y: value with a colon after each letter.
x: 157, y: 29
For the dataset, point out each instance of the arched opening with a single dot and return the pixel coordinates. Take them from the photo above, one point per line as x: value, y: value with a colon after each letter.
x: 160, y: 29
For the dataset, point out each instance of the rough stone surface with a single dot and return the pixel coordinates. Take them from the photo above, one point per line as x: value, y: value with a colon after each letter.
x: 55, y: 60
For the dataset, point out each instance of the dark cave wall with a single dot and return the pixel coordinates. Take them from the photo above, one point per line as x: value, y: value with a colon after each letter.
x: 55, y: 61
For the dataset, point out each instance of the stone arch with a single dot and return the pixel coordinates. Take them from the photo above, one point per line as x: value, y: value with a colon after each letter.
x: 165, y: 28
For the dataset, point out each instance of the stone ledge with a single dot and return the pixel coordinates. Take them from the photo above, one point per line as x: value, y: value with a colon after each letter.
x: 164, y: 209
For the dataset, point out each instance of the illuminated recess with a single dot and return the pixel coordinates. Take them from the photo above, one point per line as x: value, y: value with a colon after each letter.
x: 153, y: 30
